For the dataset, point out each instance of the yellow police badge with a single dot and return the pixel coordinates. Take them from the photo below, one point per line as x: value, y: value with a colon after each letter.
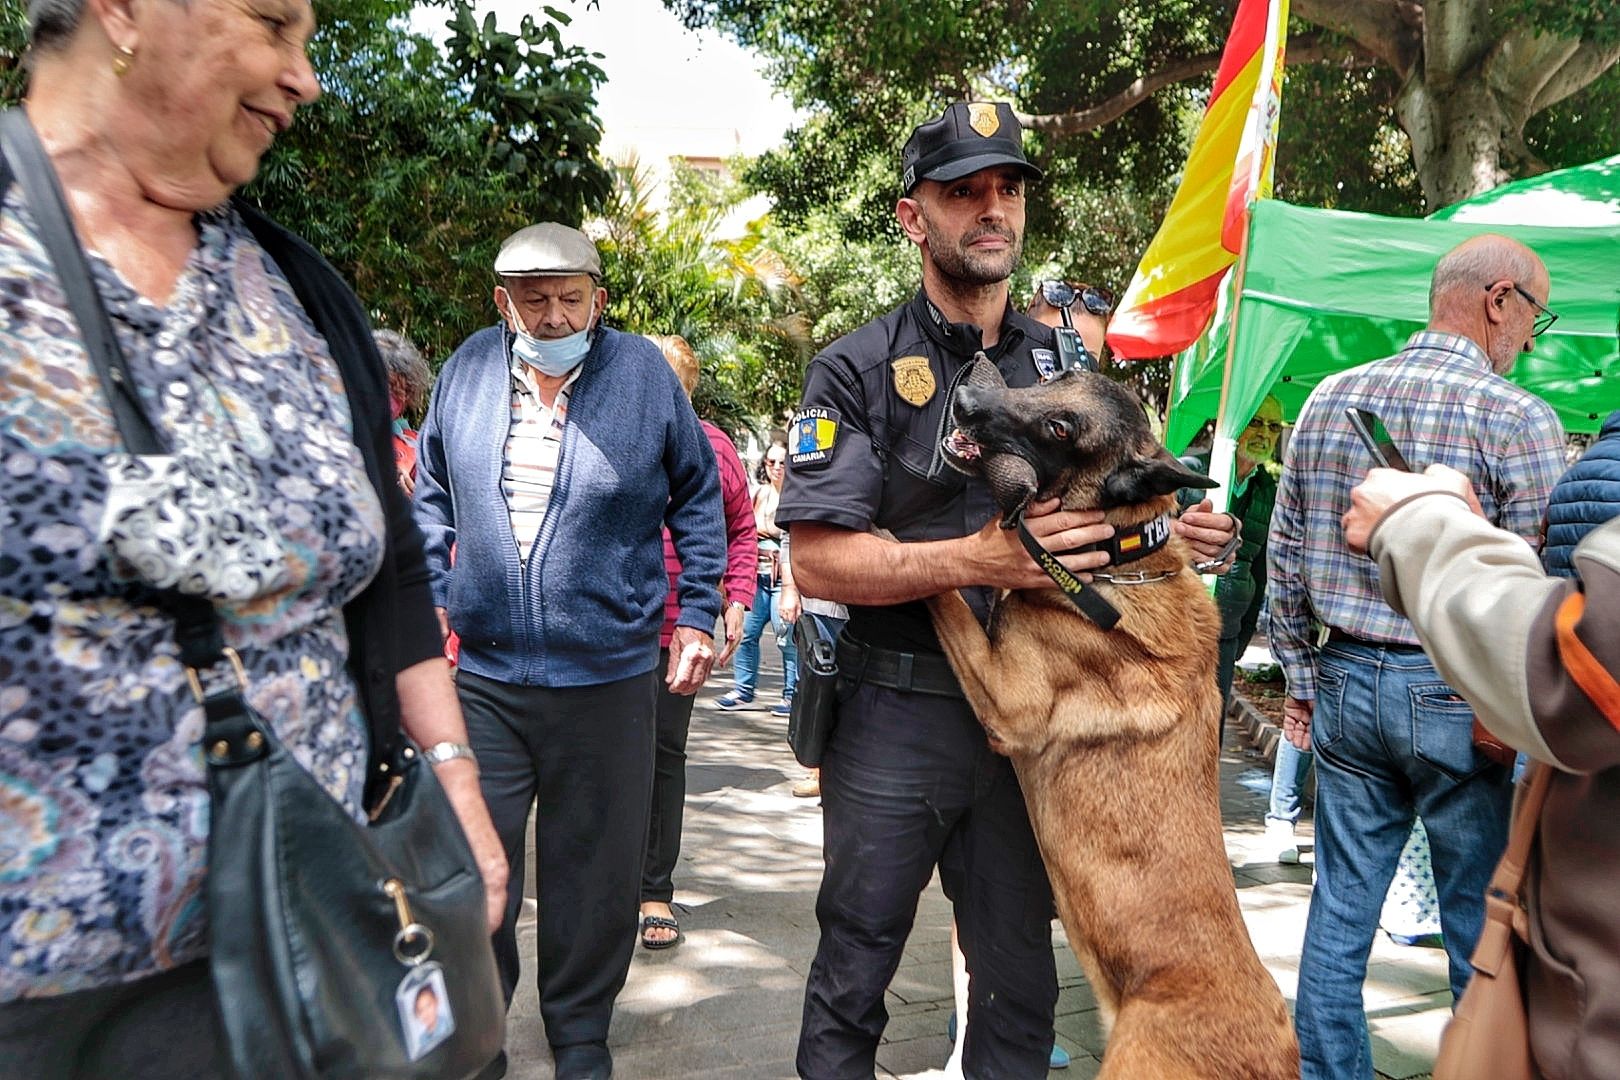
x: 982, y: 117
x: 913, y: 380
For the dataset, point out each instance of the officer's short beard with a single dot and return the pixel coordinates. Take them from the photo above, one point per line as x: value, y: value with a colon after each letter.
x: 957, y: 260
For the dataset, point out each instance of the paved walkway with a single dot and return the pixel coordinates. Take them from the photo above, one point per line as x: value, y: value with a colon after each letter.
x: 726, y: 1002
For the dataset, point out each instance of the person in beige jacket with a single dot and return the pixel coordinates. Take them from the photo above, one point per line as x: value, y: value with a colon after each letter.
x: 1537, y: 658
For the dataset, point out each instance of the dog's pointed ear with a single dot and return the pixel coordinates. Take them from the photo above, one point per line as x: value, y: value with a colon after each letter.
x: 1139, y: 479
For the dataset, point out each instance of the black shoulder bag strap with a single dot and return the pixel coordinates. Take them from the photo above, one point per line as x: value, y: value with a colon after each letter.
x: 196, y: 623
x: 38, y: 180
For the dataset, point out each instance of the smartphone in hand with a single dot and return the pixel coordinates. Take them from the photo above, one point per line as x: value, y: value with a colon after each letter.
x: 1375, y: 437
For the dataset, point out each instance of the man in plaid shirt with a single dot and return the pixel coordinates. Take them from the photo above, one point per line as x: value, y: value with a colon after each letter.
x: 1391, y: 738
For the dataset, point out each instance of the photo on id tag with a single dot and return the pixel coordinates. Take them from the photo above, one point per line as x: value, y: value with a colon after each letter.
x: 424, y: 1009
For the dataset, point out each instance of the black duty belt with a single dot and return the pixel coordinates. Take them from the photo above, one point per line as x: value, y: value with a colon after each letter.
x: 1335, y: 634
x: 917, y: 673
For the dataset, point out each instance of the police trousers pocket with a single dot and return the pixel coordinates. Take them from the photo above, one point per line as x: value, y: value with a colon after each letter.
x: 814, y: 710
x: 1443, y: 730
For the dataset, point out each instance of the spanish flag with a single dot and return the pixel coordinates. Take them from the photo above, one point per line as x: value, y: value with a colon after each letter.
x: 1172, y: 295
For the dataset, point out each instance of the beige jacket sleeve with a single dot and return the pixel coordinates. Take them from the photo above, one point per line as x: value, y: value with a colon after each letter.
x: 1483, y: 609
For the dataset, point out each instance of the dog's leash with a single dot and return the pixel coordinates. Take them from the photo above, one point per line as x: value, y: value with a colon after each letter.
x: 1127, y: 545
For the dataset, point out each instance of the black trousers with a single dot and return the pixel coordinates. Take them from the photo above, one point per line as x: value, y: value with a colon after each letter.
x: 674, y: 720
x: 909, y: 782
x: 586, y: 754
x: 157, y: 1028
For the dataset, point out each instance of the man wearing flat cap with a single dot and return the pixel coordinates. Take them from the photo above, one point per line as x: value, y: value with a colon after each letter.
x: 553, y: 451
x: 908, y: 780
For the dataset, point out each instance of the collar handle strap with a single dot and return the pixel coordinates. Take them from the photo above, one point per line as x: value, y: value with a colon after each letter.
x: 1083, y: 596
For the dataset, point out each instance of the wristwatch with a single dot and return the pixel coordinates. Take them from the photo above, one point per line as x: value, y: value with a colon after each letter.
x: 441, y: 752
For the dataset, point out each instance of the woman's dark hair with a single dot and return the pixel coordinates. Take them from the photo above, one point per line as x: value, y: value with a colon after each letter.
x: 51, y: 23
x: 778, y: 438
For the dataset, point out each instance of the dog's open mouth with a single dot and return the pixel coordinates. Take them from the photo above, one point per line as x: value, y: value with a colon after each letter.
x: 962, y: 447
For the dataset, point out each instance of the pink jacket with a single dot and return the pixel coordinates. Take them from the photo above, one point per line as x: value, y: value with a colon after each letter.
x: 742, y: 553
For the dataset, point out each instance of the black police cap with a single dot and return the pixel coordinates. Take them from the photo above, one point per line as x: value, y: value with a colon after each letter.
x: 969, y: 136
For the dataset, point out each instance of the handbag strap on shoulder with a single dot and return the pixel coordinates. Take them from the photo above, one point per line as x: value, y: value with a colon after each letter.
x: 1508, y: 878
x: 33, y: 170
x: 196, y: 628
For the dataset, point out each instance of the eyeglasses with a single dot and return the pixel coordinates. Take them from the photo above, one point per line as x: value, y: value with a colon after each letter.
x: 1060, y: 294
x: 776, y: 461
x: 1545, y: 316
x: 1273, y: 426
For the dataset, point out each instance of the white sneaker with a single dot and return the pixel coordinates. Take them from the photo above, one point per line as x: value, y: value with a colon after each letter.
x: 1280, y: 838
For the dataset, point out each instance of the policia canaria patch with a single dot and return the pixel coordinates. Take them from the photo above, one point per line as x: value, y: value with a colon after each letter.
x: 812, y: 437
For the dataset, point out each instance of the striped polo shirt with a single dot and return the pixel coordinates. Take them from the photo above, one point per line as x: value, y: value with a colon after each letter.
x: 533, y: 446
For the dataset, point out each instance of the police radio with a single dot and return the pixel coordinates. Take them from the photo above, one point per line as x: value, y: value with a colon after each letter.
x: 1072, y: 354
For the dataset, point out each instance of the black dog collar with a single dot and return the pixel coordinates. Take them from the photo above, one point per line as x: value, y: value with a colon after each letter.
x: 1131, y: 542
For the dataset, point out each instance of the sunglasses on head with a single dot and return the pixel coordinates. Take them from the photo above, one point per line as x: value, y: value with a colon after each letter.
x: 1061, y: 294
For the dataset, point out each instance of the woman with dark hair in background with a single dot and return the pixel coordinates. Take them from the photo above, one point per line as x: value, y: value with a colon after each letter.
x: 768, y: 591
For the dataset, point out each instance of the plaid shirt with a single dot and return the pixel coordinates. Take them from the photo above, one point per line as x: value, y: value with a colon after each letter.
x: 1442, y: 404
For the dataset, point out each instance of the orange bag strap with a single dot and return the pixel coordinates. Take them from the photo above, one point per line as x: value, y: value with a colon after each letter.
x: 1589, y: 674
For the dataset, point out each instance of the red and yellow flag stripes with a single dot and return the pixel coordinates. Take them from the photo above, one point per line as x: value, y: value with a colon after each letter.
x: 1172, y: 295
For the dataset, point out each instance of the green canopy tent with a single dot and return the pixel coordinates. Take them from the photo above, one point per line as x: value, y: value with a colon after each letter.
x: 1325, y: 290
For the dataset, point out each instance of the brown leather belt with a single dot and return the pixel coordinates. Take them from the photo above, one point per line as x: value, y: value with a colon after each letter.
x: 916, y: 673
x: 1335, y: 634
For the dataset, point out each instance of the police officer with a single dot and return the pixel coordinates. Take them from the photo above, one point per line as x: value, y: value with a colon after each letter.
x: 908, y: 779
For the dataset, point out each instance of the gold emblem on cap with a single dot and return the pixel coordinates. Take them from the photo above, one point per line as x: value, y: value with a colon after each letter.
x: 914, y: 380
x: 983, y: 118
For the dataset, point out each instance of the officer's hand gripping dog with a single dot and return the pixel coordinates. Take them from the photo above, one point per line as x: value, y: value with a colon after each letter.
x: 1113, y: 733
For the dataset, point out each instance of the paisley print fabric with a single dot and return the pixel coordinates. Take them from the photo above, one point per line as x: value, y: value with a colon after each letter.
x: 103, y: 795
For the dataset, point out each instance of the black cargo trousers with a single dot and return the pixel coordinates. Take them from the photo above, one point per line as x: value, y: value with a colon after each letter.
x: 909, y: 782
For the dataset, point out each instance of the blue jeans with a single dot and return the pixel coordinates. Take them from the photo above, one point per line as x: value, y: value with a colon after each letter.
x: 1287, y: 781
x: 745, y: 665
x: 1391, y: 740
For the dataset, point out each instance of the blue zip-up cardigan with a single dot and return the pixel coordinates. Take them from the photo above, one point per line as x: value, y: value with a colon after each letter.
x: 1585, y: 497
x: 587, y: 607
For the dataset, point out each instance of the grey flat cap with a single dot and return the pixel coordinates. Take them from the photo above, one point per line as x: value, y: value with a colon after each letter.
x: 548, y: 249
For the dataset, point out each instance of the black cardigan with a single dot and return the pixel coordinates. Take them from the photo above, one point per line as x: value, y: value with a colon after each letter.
x: 391, y: 623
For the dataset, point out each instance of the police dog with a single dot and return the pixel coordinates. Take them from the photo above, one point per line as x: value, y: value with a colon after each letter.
x: 1114, y: 735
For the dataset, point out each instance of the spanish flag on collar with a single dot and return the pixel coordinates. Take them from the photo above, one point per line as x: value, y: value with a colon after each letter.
x: 1172, y: 296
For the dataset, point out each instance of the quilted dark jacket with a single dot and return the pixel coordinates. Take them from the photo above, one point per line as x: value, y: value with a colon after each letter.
x: 1585, y: 497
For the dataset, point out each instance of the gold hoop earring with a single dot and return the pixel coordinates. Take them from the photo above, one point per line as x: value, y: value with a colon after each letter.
x: 121, y: 62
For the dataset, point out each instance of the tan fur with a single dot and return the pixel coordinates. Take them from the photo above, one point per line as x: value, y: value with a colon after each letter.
x: 1114, y: 738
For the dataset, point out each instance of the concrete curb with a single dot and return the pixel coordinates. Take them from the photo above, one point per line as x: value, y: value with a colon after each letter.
x: 1264, y: 736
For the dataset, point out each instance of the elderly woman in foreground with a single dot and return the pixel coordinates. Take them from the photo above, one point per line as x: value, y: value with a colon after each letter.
x: 1538, y: 658
x: 152, y: 113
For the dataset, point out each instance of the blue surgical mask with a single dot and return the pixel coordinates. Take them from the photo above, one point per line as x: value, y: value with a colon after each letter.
x: 552, y: 357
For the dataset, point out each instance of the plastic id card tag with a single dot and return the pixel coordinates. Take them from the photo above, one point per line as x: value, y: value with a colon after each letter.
x: 424, y: 1009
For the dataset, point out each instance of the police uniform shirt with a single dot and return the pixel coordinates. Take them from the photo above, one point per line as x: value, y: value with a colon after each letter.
x: 864, y: 447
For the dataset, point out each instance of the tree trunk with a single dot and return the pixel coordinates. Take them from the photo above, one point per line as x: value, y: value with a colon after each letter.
x: 1459, y: 136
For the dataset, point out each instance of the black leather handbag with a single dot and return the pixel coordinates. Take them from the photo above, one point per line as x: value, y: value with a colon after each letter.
x: 337, y: 949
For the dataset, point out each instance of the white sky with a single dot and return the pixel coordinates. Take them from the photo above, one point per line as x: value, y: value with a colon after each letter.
x: 668, y: 90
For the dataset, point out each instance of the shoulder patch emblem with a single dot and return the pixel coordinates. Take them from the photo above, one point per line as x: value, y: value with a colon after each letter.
x: 914, y: 380
x: 813, y: 435
x: 1045, y: 362
x: 983, y: 119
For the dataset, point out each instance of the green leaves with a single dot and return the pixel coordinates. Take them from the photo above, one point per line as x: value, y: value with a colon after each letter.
x: 416, y: 163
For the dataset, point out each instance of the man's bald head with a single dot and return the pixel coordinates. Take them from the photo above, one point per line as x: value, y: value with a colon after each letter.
x: 1474, y: 293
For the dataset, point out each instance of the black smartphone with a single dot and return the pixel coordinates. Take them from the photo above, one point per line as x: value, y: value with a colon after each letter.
x: 1375, y: 437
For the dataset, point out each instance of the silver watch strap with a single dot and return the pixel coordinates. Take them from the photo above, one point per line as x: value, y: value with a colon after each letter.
x: 441, y: 752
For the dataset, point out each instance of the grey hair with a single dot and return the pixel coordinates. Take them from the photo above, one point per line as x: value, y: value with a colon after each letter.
x: 51, y: 23
x: 1477, y: 264
x: 405, y: 365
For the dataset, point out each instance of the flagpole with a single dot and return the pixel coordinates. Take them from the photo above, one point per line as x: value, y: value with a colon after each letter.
x: 1223, y: 447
